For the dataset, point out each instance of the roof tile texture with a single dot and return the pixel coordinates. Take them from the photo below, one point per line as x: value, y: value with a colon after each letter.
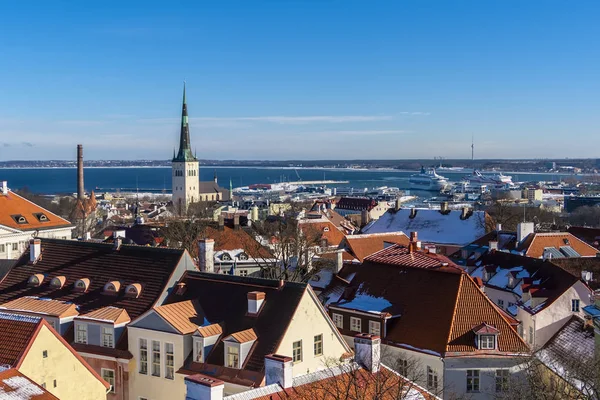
x: 365, y: 245
x: 54, y: 308
x: 15, y: 335
x: 13, y: 204
x: 185, y: 316
x: 16, y: 386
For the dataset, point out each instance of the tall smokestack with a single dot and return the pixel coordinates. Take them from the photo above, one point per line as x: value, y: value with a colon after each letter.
x: 80, y: 189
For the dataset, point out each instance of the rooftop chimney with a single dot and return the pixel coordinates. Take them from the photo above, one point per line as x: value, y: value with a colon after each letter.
x: 202, y: 387
x: 80, y: 189
x: 413, y: 212
x: 206, y: 254
x: 444, y: 206
x: 236, y: 221
x: 118, y: 241
x: 339, y: 261
x: 493, y: 245
x: 87, y: 236
x: 221, y: 222
x: 498, y: 227
x: 364, y: 217
x: 465, y: 212
x: 4, y: 187
x: 255, y: 302
x: 278, y: 370
x: 523, y: 230
x: 367, y: 350
x: 397, y: 204
x: 35, y: 250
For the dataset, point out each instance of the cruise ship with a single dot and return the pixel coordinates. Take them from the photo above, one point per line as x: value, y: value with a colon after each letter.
x: 428, y: 180
x: 496, y: 180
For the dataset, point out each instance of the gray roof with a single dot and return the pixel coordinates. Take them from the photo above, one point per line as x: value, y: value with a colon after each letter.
x: 5, y: 266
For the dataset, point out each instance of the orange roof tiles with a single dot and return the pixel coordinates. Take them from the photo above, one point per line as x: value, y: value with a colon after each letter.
x: 15, y: 386
x: 535, y: 244
x: 244, y: 336
x: 401, y: 256
x: 234, y: 239
x: 210, y: 330
x: 16, y: 332
x: 183, y: 316
x: 12, y: 205
x: 109, y: 314
x: 321, y: 229
x: 55, y: 308
x: 365, y: 245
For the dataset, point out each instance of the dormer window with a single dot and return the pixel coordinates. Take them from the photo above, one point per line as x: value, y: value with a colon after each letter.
x: 487, y: 342
x: 112, y: 287
x: 82, y: 285
x: 326, y: 229
x: 35, y: 280
x: 41, y: 217
x: 237, y: 347
x: 58, y: 282
x: 19, y: 219
x: 486, y: 336
x: 243, y: 256
x: 134, y: 290
x: 225, y: 257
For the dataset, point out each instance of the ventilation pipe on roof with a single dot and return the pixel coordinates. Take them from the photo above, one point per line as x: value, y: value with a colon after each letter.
x: 493, y: 245
x: 202, y: 387
x: 118, y: 241
x: 278, y: 370
x: 221, y: 222
x: 206, y: 255
x: 35, y: 250
x: 523, y: 230
x: 4, y: 187
x: 255, y: 302
x: 498, y: 227
x: 465, y: 212
x: 413, y: 212
x: 236, y: 221
x: 367, y: 350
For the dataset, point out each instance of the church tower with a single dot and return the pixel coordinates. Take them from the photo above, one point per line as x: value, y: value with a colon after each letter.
x: 185, y: 168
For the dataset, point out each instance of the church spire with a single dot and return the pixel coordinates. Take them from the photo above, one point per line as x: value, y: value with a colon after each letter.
x: 185, y: 151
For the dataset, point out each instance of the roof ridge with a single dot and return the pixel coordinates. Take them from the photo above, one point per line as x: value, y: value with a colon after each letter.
x: 244, y: 280
x: 86, y: 243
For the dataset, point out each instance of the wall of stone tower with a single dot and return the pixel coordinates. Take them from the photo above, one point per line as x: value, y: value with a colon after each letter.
x: 186, y: 179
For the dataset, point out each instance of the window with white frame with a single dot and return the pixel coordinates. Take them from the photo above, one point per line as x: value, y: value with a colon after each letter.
x: 81, y: 335
x: 108, y: 336
x: 169, y: 361
x: 472, y: 380
x: 143, y: 356
x: 375, y: 328
x: 575, y: 305
x: 502, y: 376
x: 403, y: 367
x: 109, y: 376
x: 355, y: 324
x: 297, y: 351
x: 432, y: 379
x: 198, y: 346
x: 233, y: 356
x: 155, y: 358
x: 338, y: 320
x: 487, y: 342
x: 318, y: 345
x: 2, y: 248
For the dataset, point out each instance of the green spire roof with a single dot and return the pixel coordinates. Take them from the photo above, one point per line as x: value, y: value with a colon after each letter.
x: 185, y: 151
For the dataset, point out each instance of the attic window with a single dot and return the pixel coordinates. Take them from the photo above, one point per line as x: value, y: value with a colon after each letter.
x: 82, y: 285
x: 19, y: 219
x: 326, y: 229
x: 486, y: 336
x: 112, y: 287
x: 487, y: 342
x: 243, y: 256
x: 35, y: 280
x: 41, y: 217
x: 225, y: 257
x: 566, y: 241
x: 58, y: 282
x: 134, y: 290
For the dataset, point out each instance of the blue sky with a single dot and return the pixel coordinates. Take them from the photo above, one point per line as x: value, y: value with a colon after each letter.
x: 309, y: 79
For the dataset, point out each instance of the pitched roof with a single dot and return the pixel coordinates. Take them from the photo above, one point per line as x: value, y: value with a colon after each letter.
x: 356, y: 203
x: 16, y: 332
x: 224, y: 300
x: 185, y: 316
x: 244, y: 336
x: 36, y: 305
x: 115, y: 315
x: 436, y: 310
x: 364, y: 245
x: 535, y: 244
x: 321, y: 229
x: 100, y: 263
x: 210, y: 330
x: 16, y: 386
x: 588, y: 235
x: 402, y: 256
x: 12, y: 206
x: 235, y: 239
x: 433, y: 226
x: 576, y: 265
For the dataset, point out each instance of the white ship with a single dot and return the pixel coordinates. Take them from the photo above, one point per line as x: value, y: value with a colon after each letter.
x: 428, y: 180
x: 496, y: 180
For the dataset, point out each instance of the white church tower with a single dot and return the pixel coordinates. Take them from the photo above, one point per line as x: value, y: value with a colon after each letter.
x: 185, y: 168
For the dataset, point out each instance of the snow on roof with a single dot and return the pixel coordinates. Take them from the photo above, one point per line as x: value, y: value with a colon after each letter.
x: 432, y: 226
x: 321, y: 279
x: 366, y: 302
x: 19, y: 388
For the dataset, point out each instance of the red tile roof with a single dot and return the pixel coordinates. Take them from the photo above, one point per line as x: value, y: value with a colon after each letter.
x: 54, y: 308
x: 233, y: 239
x: 16, y: 386
x: 364, y: 245
x: 16, y: 332
x: 401, y: 256
x: 13, y: 205
x: 321, y: 229
x: 535, y: 244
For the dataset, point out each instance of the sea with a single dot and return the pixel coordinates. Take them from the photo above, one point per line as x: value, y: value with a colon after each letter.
x: 158, y: 179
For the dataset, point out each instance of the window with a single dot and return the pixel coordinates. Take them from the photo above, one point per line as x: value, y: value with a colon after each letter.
x: 233, y: 356
x: 2, y: 248
x: 109, y: 376
x: 55, y: 384
x: 318, y: 347
x: 487, y: 342
x: 81, y: 333
x: 432, y: 379
x: 500, y: 303
x: 575, y: 305
x: 472, y: 380
x: 355, y: 324
x: 107, y: 336
x: 338, y: 320
x: 15, y: 246
x: 198, y: 350
x: 501, y: 380
x: 143, y: 356
x: 44, y: 385
x: 530, y: 335
x: 155, y: 358
x: 511, y: 304
x: 169, y: 361
x: 403, y: 367
x: 243, y: 272
x: 297, y: 351
x: 45, y: 354
x: 375, y: 327
x: 521, y: 333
